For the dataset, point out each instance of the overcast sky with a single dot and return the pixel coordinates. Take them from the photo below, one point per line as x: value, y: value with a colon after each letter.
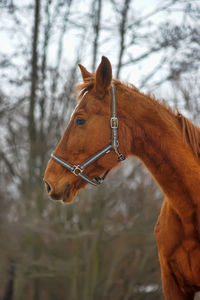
x: 11, y: 40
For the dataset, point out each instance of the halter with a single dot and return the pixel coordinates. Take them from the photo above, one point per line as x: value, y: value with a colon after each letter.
x: 78, y: 170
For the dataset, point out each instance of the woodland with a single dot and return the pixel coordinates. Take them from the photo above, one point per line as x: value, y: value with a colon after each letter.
x: 102, y: 245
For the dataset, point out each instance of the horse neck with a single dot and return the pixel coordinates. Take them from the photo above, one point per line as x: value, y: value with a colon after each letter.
x: 156, y: 139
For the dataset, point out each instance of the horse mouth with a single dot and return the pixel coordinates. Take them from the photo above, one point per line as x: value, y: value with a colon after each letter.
x: 68, y: 194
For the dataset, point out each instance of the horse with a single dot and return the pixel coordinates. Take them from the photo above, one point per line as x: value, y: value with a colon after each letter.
x: 114, y: 120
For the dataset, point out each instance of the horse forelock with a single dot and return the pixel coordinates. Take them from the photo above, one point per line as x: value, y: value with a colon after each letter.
x: 85, y: 87
x: 88, y: 85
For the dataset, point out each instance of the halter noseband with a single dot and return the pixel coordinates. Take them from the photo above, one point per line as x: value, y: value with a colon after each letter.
x: 77, y: 170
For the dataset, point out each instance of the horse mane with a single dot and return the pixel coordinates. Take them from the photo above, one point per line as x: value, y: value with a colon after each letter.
x: 190, y: 132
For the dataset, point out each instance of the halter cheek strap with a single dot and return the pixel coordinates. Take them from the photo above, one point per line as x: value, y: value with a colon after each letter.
x: 114, y: 124
x: 78, y: 170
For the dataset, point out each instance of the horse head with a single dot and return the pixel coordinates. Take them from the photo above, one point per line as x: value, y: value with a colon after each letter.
x: 90, y: 137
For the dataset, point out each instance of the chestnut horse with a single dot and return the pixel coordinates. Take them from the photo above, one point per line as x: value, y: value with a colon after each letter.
x: 113, y: 120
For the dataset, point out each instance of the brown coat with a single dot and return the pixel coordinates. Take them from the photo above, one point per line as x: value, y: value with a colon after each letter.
x: 169, y: 146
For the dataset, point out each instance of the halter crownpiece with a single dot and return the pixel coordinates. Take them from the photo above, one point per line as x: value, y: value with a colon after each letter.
x: 77, y: 170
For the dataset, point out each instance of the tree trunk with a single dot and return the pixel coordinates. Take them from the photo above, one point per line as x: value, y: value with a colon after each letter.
x: 34, y: 80
x: 96, y: 25
x: 122, y: 31
x: 9, y: 289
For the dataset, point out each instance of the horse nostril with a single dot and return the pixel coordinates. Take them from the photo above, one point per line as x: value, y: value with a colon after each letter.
x: 48, y: 187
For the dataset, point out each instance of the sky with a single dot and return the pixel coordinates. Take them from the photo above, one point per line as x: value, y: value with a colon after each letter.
x: 11, y: 40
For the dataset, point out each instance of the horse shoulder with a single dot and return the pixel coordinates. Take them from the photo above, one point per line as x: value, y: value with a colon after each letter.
x: 168, y: 230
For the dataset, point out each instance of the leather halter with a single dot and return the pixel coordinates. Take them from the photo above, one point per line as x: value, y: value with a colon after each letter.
x: 78, y: 170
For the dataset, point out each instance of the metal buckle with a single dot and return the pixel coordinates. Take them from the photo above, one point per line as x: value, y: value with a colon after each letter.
x: 99, y: 180
x: 114, y: 122
x: 77, y: 170
x: 121, y: 157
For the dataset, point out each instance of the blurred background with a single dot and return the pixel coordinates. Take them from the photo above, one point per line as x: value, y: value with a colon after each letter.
x: 102, y: 246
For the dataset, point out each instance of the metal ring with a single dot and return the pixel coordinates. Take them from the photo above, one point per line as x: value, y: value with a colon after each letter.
x: 77, y: 170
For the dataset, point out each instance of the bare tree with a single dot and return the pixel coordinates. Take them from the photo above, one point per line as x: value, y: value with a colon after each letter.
x: 33, y: 91
x: 97, y: 9
x: 122, y: 33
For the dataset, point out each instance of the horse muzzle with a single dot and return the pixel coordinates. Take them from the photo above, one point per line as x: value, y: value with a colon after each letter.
x: 66, y: 194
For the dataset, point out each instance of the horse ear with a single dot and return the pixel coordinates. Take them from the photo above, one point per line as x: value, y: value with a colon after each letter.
x: 85, y: 74
x: 103, y: 76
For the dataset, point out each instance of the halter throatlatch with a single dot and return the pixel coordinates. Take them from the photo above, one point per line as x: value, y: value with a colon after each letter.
x: 77, y: 170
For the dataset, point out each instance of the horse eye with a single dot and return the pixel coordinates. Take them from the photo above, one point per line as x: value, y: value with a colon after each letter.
x: 80, y: 122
